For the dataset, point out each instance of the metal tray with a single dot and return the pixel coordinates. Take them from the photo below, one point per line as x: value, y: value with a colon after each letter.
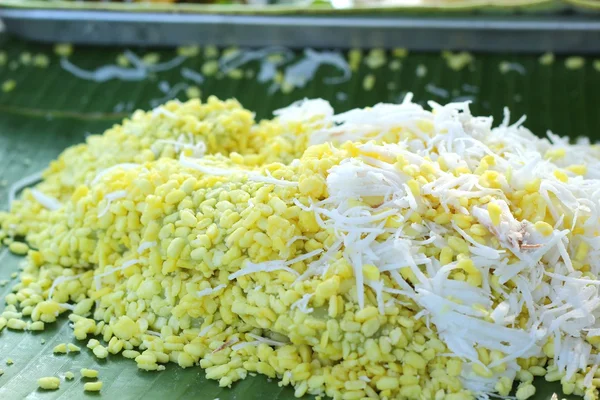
x: 295, y: 7
x: 562, y: 34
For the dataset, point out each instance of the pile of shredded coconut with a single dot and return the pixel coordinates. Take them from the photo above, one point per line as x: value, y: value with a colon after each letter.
x: 386, y: 252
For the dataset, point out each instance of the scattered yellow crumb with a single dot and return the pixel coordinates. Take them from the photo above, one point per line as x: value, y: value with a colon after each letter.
x: 287, y: 87
x: 574, y: 62
x: 355, y: 58
x: 230, y: 51
x: 123, y: 61
x: 210, y: 68
x: 41, y: 60
x: 395, y: 65
x: 188, y: 51
x: 92, y: 386
x: 193, y: 92
x: 63, y: 49
x: 151, y: 58
x: 400, y: 52
x: 376, y: 58
x: 9, y: 85
x: 1, y: 372
x: 211, y: 52
x: 60, y: 348
x: 43, y: 341
x: 457, y: 61
x: 89, y: 373
x: 276, y: 58
x: 25, y: 58
x: 9, y: 361
x: 235, y: 74
x: 69, y: 375
x: 504, y: 67
x: 546, y: 58
x: 368, y: 82
x: 49, y: 383
x: 73, y: 348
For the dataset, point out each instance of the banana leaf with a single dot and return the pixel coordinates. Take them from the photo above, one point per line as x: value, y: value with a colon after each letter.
x: 50, y: 109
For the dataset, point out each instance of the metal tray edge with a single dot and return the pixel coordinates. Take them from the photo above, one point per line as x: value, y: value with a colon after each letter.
x: 492, y: 6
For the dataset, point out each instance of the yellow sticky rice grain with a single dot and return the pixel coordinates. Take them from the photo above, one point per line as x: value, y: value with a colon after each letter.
x: 337, y: 258
x: 49, y: 383
x: 25, y: 58
x: 210, y: 68
x: 9, y: 85
x: 92, y: 386
x: 69, y: 375
x: 188, y: 51
x: 18, y: 248
x: 211, y: 52
x: 41, y: 60
x: 63, y: 49
x: 368, y: 82
x: 73, y: 348
x: 193, y: 92
x: 355, y: 58
x: 421, y: 71
x: 574, y: 62
x: 395, y: 65
x: 89, y: 373
x: 457, y: 61
x: 151, y: 58
x: 60, y: 348
x: 122, y: 60
x: 546, y: 59
x: 376, y: 58
x: 400, y: 52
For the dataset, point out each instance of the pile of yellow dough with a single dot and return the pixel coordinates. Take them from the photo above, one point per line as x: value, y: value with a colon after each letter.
x: 373, y: 254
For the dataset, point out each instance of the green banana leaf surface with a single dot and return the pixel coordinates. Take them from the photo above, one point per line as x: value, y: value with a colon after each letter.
x: 45, y: 109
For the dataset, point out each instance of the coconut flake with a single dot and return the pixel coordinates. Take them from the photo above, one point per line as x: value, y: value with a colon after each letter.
x: 48, y: 202
x: 145, y: 246
x: 302, y: 304
x: 210, y: 291
x: 269, y: 266
x: 21, y: 184
x: 102, y: 173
